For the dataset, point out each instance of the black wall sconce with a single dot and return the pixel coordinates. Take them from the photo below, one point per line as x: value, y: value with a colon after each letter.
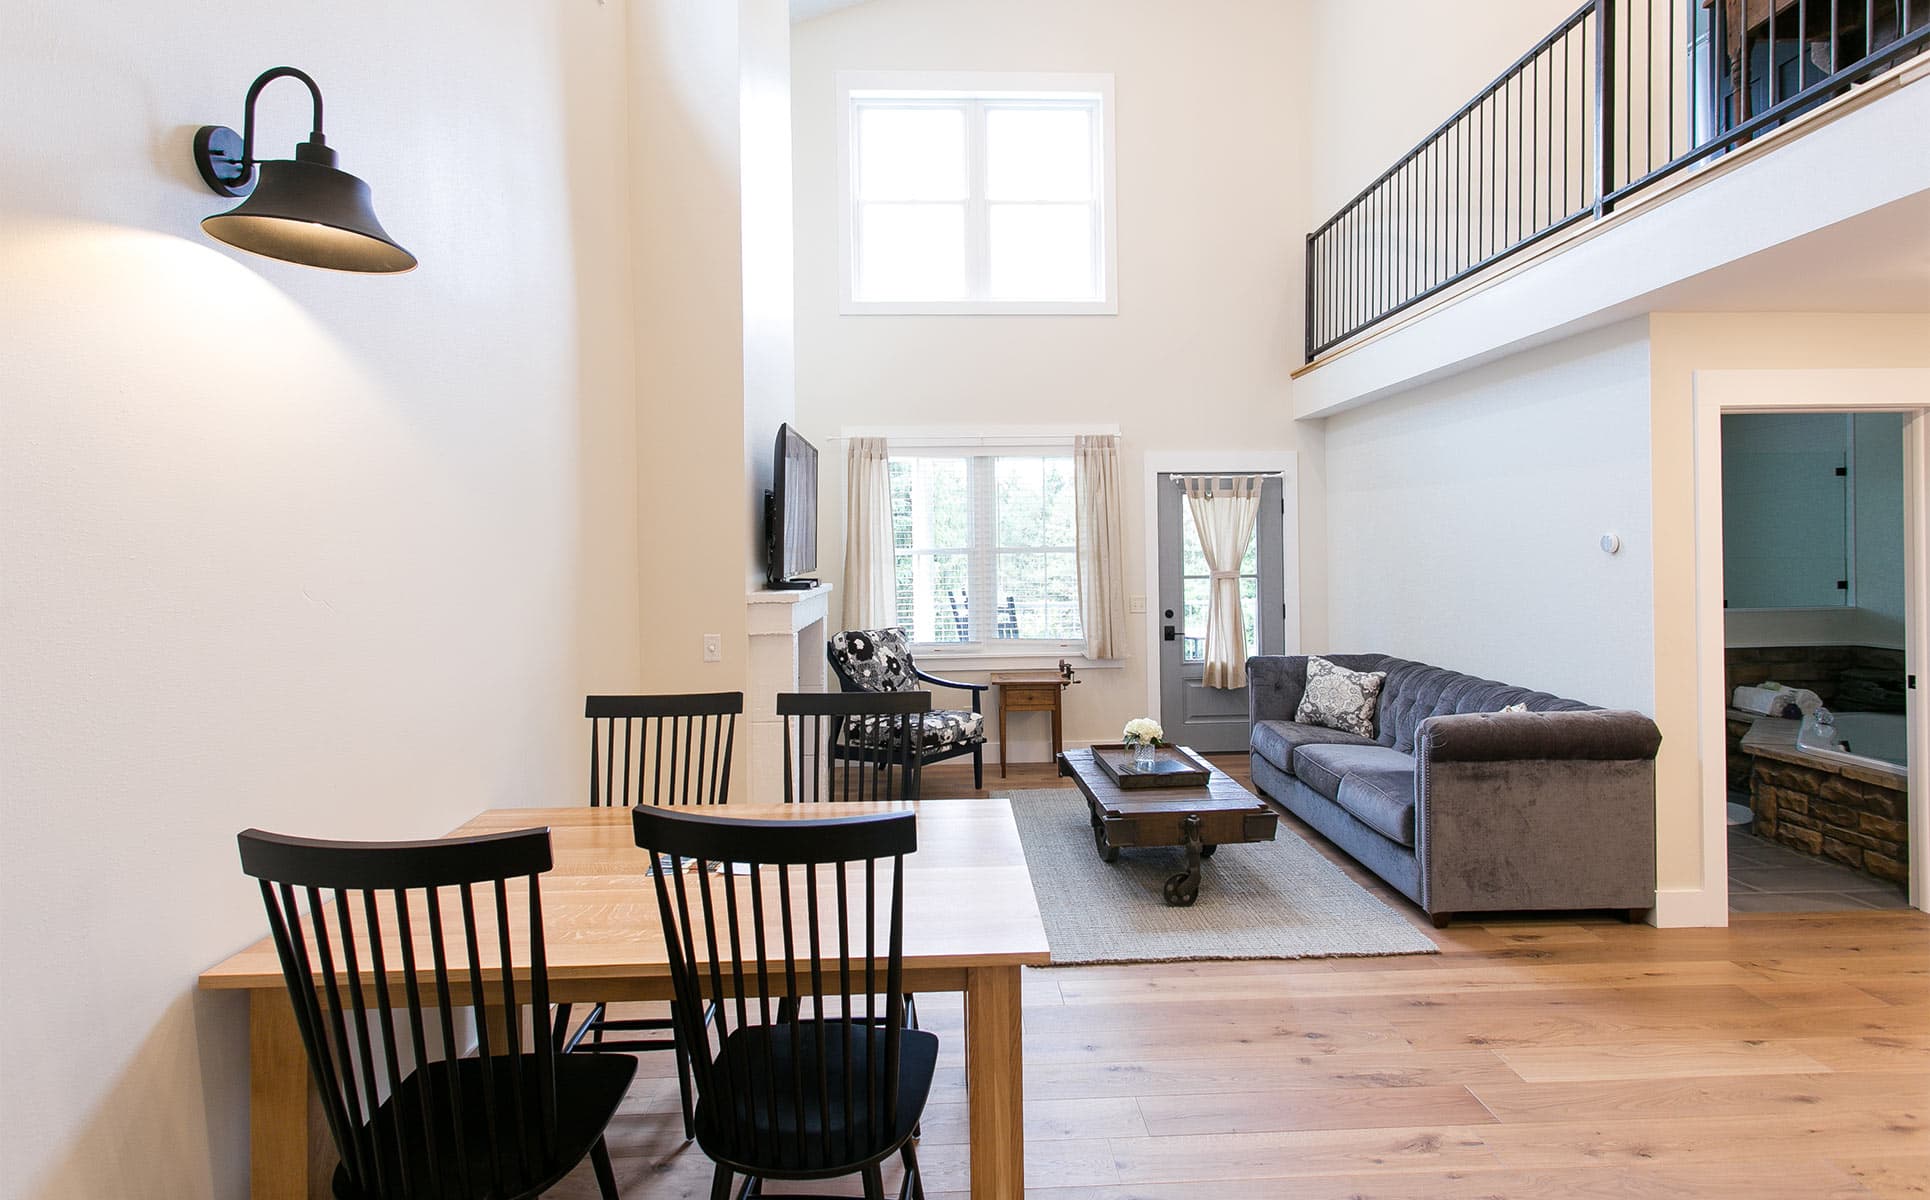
x: 301, y: 210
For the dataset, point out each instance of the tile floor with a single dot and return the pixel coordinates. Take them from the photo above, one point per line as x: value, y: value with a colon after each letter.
x: 1767, y: 878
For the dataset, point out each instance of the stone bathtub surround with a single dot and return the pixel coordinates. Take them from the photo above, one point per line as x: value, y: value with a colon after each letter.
x: 1851, y: 813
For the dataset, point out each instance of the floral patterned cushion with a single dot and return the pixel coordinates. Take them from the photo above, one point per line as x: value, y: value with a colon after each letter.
x: 875, y: 660
x: 1336, y: 698
x: 943, y: 729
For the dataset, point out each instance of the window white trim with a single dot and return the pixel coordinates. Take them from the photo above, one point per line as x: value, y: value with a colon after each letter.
x: 978, y: 85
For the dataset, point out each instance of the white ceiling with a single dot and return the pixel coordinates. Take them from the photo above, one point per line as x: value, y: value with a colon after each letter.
x: 1878, y: 261
x: 804, y: 10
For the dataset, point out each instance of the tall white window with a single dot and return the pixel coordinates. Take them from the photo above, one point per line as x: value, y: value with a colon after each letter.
x: 970, y: 193
x: 986, y: 551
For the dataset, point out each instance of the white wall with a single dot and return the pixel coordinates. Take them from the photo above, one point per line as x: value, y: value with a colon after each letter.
x: 315, y: 552
x: 1384, y: 75
x: 710, y: 167
x: 1463, y: 521
x: 1212, y: 225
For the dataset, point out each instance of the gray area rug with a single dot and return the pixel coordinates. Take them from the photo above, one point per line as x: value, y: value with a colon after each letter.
x: 1277, y: 899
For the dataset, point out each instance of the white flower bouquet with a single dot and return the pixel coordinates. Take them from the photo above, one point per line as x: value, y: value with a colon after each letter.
x: 1143, y: 731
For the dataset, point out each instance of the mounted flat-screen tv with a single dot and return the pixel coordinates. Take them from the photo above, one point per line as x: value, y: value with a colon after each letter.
x: 791, y: 513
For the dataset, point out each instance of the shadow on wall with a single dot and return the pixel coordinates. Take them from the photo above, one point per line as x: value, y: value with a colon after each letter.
x: 191, y: 1145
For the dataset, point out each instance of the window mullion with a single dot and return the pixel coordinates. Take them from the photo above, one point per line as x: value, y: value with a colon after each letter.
x: 984, y: 557
x: 978, y: 238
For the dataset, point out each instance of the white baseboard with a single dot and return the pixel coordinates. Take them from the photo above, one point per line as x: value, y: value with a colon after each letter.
x: 1041, y: 747
x: 1691, y: 908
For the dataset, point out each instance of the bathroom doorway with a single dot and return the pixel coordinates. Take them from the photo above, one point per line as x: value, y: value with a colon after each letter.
x: 1811, y: 526
x: 1814, y: 667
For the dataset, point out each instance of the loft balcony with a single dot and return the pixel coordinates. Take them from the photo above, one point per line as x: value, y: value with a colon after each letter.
x: 1618, y: 105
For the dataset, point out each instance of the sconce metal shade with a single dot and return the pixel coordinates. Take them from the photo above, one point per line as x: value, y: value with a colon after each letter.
x: 302, y: 210
x: 310, y: 213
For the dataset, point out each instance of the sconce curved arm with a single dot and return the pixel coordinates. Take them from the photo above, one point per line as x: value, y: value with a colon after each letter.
x: 254, y: 93
x: 227, y: 162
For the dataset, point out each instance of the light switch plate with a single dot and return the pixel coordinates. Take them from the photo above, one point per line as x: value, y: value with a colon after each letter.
x: 713, y: 647
x: 1136, y: 604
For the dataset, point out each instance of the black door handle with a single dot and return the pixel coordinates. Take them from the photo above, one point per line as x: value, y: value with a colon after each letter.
x: 1169, y: 633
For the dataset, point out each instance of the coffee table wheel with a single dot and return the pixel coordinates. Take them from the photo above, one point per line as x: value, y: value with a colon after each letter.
x: 1107, y: 853
x: 1207, y: 851
x: 1182, y: 889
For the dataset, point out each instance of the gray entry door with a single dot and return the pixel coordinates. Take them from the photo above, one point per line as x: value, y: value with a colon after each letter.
x: 1212, y: 719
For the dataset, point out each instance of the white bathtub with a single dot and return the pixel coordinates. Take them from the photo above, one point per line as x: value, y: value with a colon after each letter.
x: 1878, y: 738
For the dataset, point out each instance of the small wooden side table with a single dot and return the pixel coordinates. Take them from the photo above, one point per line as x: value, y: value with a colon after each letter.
x: 1030, y: 691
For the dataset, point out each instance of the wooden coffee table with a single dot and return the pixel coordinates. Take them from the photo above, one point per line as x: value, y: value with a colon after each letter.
x: 1200, y: 818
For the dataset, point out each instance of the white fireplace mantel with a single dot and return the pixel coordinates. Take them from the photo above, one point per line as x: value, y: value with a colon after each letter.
x: 787, y: 640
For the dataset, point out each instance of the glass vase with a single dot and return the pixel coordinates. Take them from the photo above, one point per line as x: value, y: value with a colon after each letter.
x: 1144, y: 754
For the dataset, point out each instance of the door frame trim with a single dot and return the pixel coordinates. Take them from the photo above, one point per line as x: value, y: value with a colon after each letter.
x: 1224, y: 462
x: 1831, y: 390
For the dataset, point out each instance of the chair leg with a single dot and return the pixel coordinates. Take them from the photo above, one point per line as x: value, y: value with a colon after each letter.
x: 874, y: 1183
x: 560, y: 1032
x: 606, y: 1176
x: 720, y: 1183
x: 914, y: 1181
x: 978, y: 767
x: 683, y: 1075
x: 911, y: 1011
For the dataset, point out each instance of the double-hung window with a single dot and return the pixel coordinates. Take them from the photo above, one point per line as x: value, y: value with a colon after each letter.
x: 970, y: 193
x: 985, y: 551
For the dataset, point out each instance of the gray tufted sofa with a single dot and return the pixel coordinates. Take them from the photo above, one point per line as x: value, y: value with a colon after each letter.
x: 1460, y: 806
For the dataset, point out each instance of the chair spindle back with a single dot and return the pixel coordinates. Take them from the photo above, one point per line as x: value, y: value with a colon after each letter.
x: 661, y: 749
x: 343, y: 917
x: 754, y: 911
x: 852, y: 745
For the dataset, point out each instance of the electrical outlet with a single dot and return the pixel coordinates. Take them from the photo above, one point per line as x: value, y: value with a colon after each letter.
x: 1136, y: 604
x: 713, y: 647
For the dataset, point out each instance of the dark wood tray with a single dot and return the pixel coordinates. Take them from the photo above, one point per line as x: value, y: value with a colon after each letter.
x: 1174, y: 766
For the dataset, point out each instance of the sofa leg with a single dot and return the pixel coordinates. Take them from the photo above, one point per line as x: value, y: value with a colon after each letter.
x: 1635, y: 916
x: 1441, y: 920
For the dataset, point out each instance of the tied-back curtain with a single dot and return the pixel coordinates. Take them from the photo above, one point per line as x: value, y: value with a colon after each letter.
x: 1224, y: 518
x: 870, y: 590
x: 1101, y: 549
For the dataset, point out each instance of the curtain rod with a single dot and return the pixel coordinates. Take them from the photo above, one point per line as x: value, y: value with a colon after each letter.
x: 1180, y: 477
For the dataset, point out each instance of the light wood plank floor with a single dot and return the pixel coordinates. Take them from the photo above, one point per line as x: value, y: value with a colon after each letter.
x: 1567, y: 1056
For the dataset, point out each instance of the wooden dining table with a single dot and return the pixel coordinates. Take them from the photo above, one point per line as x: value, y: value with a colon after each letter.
x: 971, y: 921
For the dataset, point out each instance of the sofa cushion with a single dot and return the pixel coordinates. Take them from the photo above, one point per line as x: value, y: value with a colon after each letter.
x: 1373, y: 783
x: 1322, y: 767
x: 1381, y: 797
x: 1276, y: 741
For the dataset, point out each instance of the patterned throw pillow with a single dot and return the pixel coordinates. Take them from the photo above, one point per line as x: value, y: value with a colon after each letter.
x: 1337, y: 698
x: 1518, y: 706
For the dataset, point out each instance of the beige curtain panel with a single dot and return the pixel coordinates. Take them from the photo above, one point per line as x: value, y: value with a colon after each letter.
x: 1224, y: 514
x: 1102, y: 550
x: 870, y: 591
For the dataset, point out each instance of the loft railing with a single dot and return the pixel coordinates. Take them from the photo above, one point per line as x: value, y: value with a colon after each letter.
x: 1621, y: 95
